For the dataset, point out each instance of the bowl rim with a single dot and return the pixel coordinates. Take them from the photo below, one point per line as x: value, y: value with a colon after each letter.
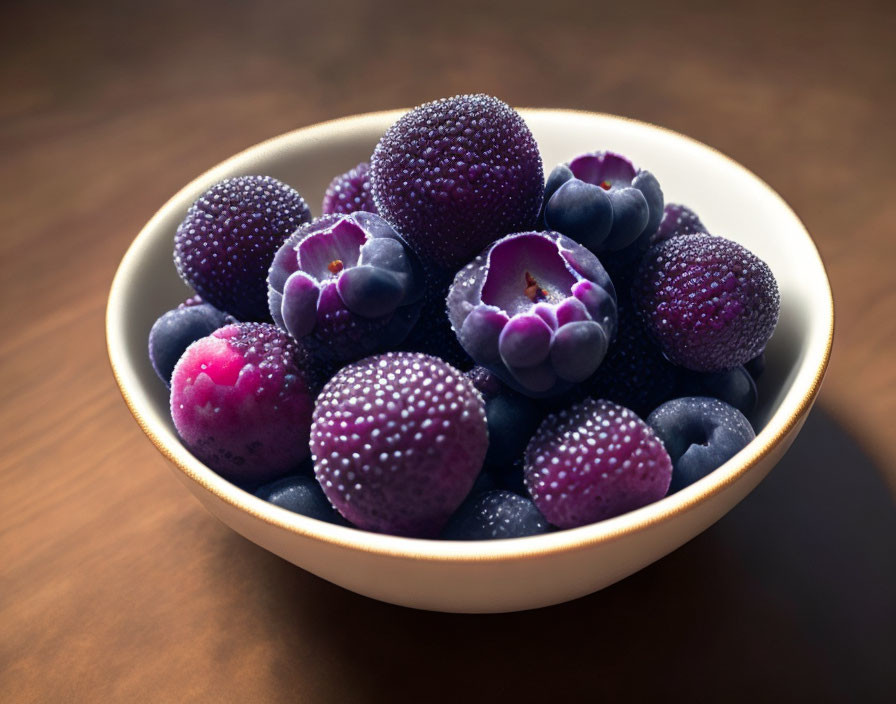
x: 515, y: 549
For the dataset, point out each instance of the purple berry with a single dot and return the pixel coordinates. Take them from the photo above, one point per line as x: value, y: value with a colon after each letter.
x: 593, y: 461
x: 709, y: 302
x: 301, y: 494
x: 350, y: 192
x: 486, y: 382
x: 495, y: 515
x: 678, y: 220
x: 347, y: 285
x: 177, y: 329
x: 398, y: 441
x: 700, y: 434
x: 225, y: 244
x: 634, y: 194
x: 241, y: 402
x: 537, y: 309
x: 456, y: 174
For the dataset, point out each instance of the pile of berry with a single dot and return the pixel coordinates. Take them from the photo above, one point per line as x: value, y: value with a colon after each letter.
x: 456, y: 348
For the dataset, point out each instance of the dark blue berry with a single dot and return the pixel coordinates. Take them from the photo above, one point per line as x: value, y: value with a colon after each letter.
x: 178, y: 329
x: 700, y: 434
x: 581, y: 211
x: 756, y: 366
x: 484, y: 482
x: 512, y: 419
x: 495, y: 514
x: 733, y: 386
x: 301, y: 494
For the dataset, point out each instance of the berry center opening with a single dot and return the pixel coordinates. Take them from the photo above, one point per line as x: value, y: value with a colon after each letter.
x: 335, y: 266
x: 606, y: 185
x: 533, y: 291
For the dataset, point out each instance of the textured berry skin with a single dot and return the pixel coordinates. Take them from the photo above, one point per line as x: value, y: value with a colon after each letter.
x: 485, y: 382
x: 709, y: 302
x: 350, y: 192
x: 224, y: 246
x: 734, y: 386
x: 634, y: 194
x: 176, y: 330
x: 700, y: 434
x: 495, y: 515
x: 456, y: 174
x: 397, y: 441
x: 678, y: 220
x: 241, y: 402
x: 537, y: 309
x: 347, y: 285
x: 301, y: 494
x: 593, y: 461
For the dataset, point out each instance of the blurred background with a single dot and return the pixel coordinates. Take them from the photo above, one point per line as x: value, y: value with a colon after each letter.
x: 108, y: 108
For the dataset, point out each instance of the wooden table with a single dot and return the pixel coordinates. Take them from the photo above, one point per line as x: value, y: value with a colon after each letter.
x: 116, y: 586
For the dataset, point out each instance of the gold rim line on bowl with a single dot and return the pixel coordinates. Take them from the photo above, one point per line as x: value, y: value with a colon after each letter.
x: 461, y: 551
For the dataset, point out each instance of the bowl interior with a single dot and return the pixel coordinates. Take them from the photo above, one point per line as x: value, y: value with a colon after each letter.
x: 731, y: 201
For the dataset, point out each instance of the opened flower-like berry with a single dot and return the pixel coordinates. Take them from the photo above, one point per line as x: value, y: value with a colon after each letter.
x: 536, y: 308
x: 347, y: 285
x: 603, y: 201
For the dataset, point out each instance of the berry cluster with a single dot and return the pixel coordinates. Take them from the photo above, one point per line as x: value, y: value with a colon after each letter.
x: 456, y: 349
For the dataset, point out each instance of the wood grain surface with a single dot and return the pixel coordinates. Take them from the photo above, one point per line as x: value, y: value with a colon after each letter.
x: 115, y: 585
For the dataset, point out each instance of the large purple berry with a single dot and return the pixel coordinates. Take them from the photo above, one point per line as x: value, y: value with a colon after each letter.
x: 709, y: 302
x: 224, y: 246
x: 347, y: 285
x: 630, y: 212
x: 241, y: 402
x: 537, y: 309
x: 177, y: 329
x: 350, y: 192
x: 678, y: 220
x: 456, y: 174
x: 593, y: 461
x: 398, y: 440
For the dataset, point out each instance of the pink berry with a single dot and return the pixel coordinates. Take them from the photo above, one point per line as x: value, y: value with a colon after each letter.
x: 241, y: 402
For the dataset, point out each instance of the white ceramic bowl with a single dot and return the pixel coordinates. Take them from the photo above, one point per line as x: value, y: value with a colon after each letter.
x: 500, y: 575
